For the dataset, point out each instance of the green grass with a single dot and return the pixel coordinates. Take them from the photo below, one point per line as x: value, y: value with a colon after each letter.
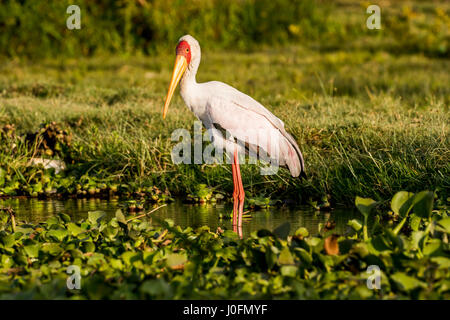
x: 368, y: 123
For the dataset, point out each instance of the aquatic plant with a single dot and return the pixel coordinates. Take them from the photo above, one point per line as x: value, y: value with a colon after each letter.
x: 204, y: 194
x: 129, y: 257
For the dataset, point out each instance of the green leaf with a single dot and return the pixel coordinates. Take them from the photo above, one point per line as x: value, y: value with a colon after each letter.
x: 64, y: 217
x: 378, y: 244
x: 176, y: 259
x: 21, y: 258
x: 94, y: 217
x: 169, y: 222
x: 443, y: 262
x: 127, y: 257
x: 394, y: 239
x: 315, y: 244
x: 406, y: 282
x: 3, y: 217
x: 25, y: 230
x: 355, y: 224
x: 313, y: 241
x: 74, y: 229
x: 304, y: 256
x: 301, y: 232
x: 88, y: 246
x: 415, y: 222
x: 285, y: 256
x: 38, y: 187
x: 230, y: 234
x: 423, y: 204
x: 6, y: 261
x: 365, y: 205
x: 53, y: 249
x: 96, y: 260
x: 8, y: 240
x: 289, y: 271
x: 120, y: 217
x: 402, y: 203
x: 110, y: 232
x: 416, y: 238
x: 32, y: 250
x: 156, y: 288
x: 282, y: 231
x: 433, y: 248
x: 116, y: 263
x: 57, y: 234
x: 52, y: 221
x: 443, y: 225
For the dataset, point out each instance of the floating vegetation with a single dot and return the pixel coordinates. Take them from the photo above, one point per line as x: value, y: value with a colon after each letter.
x: 204, y: 194
x: 323, y: 205
x: 129, y: 257
x: 261, y: 202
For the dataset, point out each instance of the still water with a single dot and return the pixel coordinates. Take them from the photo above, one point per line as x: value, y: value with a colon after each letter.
x: 35, y: 210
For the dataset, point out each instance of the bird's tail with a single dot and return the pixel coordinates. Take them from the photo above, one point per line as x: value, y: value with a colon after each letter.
x: 293, y: 157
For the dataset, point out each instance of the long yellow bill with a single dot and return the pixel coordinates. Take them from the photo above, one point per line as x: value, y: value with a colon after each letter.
x: 178, y: 70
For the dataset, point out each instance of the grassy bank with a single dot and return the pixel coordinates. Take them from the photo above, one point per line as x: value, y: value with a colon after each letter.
x: 368, y: 123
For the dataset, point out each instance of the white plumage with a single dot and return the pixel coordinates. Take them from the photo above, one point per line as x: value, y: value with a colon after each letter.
x: 220, y: 106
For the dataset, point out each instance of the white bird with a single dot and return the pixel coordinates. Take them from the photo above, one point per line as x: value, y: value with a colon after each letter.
x: 222, y: 107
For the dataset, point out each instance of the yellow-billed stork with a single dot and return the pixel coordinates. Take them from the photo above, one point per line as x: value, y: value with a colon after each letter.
x: 222, y: 107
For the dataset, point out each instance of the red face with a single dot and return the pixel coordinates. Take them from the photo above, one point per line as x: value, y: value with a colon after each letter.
x: 184, y: 49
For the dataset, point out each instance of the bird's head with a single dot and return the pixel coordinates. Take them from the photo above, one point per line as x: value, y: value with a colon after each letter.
x: 187, y: 58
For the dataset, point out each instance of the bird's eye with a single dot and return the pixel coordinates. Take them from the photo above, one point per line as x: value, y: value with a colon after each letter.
x: 187, y: 50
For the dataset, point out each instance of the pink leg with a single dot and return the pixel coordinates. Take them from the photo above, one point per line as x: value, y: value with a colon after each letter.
x: 241, y: 193
x: 235, y: 194
x: 239, y: 232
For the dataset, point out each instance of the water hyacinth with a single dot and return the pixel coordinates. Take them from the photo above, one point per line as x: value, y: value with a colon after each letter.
x: 128, y: 257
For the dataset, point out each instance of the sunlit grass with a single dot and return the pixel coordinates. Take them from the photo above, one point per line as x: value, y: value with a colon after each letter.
x: 367, y: 123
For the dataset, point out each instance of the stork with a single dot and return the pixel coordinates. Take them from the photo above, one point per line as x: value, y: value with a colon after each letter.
x: 221, y: 107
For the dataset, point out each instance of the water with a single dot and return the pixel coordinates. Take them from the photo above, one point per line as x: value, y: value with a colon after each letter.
x: 35, y: 210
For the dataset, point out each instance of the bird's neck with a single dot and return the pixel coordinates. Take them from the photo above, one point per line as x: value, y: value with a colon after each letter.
x: 189, y: 86
x: 189, y: 77
x: 188, y: 80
